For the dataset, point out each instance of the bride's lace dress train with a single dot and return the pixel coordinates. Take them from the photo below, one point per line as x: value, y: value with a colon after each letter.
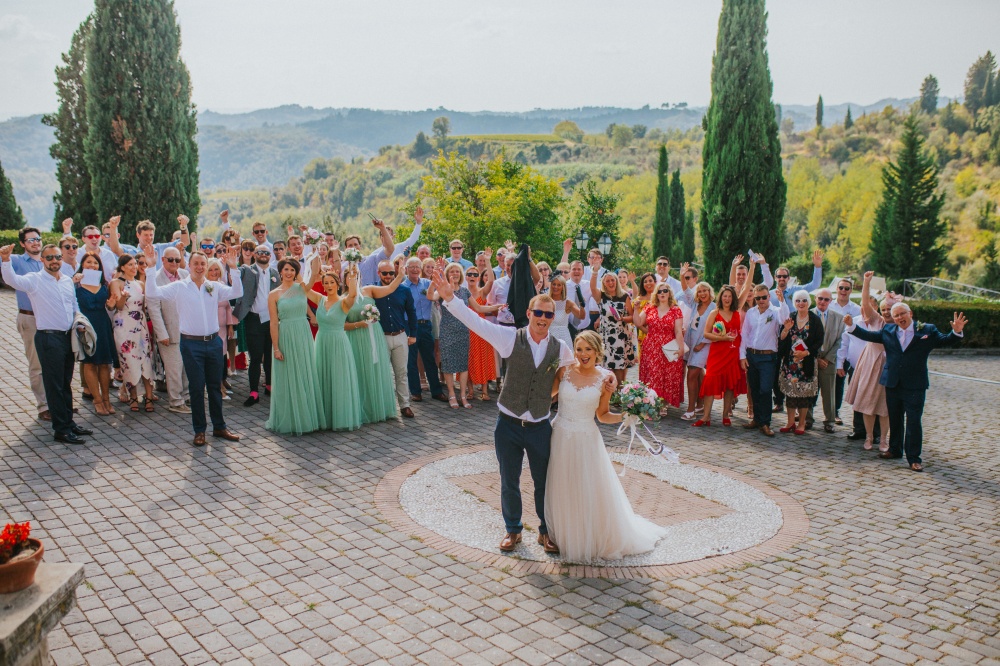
x: 586, y: 510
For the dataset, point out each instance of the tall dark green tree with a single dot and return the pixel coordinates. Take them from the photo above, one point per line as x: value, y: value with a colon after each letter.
x: 819, y: 112
x: 140, y: 146
x: 743, y: 189
x: 906, y: 238
x: 687, y: 243
x: 848, y: 119
x: 677, y: 218
x: 980, y: 83
x: 74, y: 198
x: 11, y: 216
x: 663, y: 230
x: 929, y: 91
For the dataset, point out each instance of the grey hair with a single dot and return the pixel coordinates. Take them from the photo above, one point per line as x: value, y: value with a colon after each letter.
x: 801, y: 294
x: 414, y: 261
x: 900, y: 306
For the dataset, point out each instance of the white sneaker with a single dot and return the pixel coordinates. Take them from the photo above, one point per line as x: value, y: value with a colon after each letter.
x: 179, y: 409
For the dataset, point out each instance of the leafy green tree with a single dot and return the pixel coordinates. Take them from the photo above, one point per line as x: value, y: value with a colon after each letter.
x: 819, y: 112
x: 609, y: 131
x: 11, y: 216
x: 441, y: 128
x: 140, y: 147
x: 991, y: 276
x: 677, y: 218
x: 74, y: 198
x: 639, y: 131
x: 955, y: 118
x: 848, y: 119
x: 979, y: 83
x: 621, y: 136
x: 929, y: 92
x: 906, y: 238
x: 743, y: 189
x: 421, y: 147
x: 488, y: 202
x: 567, y: 129
x: 663, y: 230
x: 687, y: 243
x: 596, y: 214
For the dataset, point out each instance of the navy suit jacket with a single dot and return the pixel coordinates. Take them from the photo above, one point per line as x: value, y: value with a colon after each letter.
x: 907, y: 369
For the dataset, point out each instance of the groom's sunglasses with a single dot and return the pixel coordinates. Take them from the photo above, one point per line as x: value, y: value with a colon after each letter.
x: 543, y: 313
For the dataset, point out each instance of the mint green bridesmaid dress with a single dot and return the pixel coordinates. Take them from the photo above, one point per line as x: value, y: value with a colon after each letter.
x: 375, y: 378
x: 339, y: 393
x: 295, y: 400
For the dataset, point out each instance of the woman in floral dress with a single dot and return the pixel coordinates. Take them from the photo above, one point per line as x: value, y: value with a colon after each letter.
x: 131, y: 333
x: 662, y: 321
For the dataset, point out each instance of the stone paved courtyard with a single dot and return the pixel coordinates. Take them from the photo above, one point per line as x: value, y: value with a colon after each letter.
x: 272, y: 551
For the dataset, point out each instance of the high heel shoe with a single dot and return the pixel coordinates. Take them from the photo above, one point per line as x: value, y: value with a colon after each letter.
x: 453, y: 401
x: 465, y: 403
x: 786, y: 429
x: 727, y: 422
x: 701, y: 424
x: 800, y: 432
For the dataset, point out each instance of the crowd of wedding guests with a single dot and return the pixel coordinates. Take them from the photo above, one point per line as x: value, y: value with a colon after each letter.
x: 339, y: 337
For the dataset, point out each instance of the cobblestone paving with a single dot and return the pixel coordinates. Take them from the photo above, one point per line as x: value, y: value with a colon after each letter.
x: 271, y: 551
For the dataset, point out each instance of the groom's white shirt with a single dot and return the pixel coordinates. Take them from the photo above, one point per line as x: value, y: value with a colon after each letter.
x: 503, y: 338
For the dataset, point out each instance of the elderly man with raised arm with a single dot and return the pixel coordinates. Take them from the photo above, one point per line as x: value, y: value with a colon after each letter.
x: 197, y: 301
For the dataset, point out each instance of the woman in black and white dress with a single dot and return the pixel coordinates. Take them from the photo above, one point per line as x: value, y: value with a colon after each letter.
x: 614, y: 324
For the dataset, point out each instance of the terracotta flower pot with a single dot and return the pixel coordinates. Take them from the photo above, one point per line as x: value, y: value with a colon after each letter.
x: 15, y: 576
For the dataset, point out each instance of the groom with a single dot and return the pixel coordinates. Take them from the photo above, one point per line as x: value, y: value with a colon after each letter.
x: 533, y: 358
x: 907, y: 344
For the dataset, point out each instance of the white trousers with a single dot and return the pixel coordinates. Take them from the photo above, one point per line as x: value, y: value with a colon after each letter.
x: 26, y: 327
x: 399, y: 354
x: 173, y: 368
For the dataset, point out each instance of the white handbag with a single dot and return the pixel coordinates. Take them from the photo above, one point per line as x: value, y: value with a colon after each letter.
x: 671, y: 350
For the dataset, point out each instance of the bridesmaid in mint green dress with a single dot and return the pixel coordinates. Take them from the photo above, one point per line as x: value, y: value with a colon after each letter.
x: 295, y: 401
x: 339, y: 393
x: 375, y: 378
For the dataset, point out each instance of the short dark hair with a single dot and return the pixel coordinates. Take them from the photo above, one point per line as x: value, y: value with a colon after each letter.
x: 25, y: 231
x: 276, y: 243
x: 659, y: 259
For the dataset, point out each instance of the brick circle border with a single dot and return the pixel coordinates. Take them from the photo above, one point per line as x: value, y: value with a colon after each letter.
x: 794, y: 527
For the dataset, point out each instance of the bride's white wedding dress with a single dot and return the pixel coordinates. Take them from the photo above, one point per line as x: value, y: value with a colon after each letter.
x: 586, y: 510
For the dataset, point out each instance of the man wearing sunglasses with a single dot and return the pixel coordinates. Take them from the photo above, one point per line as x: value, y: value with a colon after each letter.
x: 69, y: 247
x: 167, y: 331
x: 30, y: 239
x: 533, y: 359
x: 92, y: 237
x: 398, y: 319
x: 52, y: 297
x: 258, y: 281
x: 845, y: 306
x: 759, y: 353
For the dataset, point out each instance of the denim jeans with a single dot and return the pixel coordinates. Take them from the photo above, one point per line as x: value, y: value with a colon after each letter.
x: 204, y: 363
x: 512, y: 441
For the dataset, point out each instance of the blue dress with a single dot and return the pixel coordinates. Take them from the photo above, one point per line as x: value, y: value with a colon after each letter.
x: 92, y: 306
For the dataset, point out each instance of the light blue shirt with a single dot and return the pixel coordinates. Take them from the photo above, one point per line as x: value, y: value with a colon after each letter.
x: 419, y: 291
x: 817, y: 279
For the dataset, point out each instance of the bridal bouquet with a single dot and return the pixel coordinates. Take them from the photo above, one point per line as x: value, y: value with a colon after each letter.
x: 352, y: 255
x: 371, y: 315
x: 639, y: 403
x: 639, y: 400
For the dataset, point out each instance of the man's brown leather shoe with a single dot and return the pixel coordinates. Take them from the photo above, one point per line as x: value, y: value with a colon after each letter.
x: 510, y: 542
x: 416, y: 398
x: 751, y: 425
x: 226, y: 434
x: 767, y: 431
x: 546, y: 542
x: 199, y: 439
x: 407, y: 412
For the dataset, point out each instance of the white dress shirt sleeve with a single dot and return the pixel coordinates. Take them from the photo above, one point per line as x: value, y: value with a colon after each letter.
x: 19, y: 282
x: 408, y: 243
x: 167, y: 292
x: 766, y: 278
x: 501, y: 337
x: 745, y: 331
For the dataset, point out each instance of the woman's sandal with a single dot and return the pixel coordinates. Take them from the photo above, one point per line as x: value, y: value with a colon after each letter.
x: 786, y: 429
x: 149, y: 404
x: 453, y: 401
x: 868, y: 444
x: 465, y: 403
x: 800, y: 432
x: 727, y: 422
x: 701, y: 424
x: 484, y: 397
x: 133, y: 404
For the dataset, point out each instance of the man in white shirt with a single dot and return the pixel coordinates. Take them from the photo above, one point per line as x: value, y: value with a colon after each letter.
x: 595, y: 259
x: 759, y: 353
x: 69, y: 247
x: 845, y: 306
x: 92, y: 245
x: 53, y: 302
x: 578, y: 290
x: 260, y: 235
x: 197, y: 302
x: 167, y: 333
x: 401, y: 248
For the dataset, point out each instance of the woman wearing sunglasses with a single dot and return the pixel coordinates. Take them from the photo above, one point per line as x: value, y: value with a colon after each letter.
x: 663, y: 323
x: 482, y: 367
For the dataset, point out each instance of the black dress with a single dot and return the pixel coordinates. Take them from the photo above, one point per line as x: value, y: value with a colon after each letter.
x: 92, y: 306
x: 799, y: 380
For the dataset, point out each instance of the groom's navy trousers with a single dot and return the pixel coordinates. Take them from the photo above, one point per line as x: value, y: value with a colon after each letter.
x: 512, y: 439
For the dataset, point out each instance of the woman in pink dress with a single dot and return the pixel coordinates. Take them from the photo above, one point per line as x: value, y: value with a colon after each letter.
x: 662, y: 321
x: 865, y: 394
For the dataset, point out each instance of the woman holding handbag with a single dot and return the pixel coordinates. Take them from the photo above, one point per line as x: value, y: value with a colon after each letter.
x: 661, y: 365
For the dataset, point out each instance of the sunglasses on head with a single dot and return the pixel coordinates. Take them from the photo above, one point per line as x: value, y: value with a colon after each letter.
x: 543, y: 313
x: 52, y: 257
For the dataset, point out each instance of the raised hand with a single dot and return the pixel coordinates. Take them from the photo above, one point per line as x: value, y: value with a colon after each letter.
x: 848, y: 320
x: 737, y: 260
x: 442, y: 286
x: 817, y: 259
x: 290, y: 230
x: 114, y: 221
x: 760, y: 259
x: 150, y: 253
x: 509, y: 244
x: 67, y: 226
x: 5, y: 252
x: 788, y: 324
x: 567, y: 245
x: 958, y: 322
x: 232, y: 255
x: 183, y: 221
x: 77, y: 278
x: 868, y: 276
x: 488, y: 251
x: 224, y: 216
x: 418, y: 215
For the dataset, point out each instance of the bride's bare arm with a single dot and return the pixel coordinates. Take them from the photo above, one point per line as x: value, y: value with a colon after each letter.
x: 555, y: 384
x: 604, y: 414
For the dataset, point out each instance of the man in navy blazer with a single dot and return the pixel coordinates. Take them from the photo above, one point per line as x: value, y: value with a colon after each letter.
x: 907, y: 344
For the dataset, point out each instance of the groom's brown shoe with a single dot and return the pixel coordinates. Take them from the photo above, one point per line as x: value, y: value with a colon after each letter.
x: 548, y: 544
x: 510, y: 541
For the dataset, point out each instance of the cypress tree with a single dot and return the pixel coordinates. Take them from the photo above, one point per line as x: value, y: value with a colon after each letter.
x: 978, y: 83
x: 907, y: 232
x: 663, y: 230
x: 74, y: 198
x: 929, y: 91
x: 687, y: 244
x: 11, y: 216
x: 848, y: 120
x: 743, y: 189
x: 819, y: 112
x: 677, y: 218
x: 140, y: 146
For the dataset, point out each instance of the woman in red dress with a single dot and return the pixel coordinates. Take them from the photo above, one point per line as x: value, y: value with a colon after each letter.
x: 662, y: 321
x: 724, y: 378
x: 482, y: 368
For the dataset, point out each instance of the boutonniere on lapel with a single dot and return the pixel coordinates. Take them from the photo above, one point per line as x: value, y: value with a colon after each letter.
x: 769, y: 319
x: 920, y: 326
x: 554, y: 365
x: 274, y: 279
x: 209, y: 288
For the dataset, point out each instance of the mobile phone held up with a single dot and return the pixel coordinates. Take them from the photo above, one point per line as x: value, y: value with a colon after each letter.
x: 374, y: 219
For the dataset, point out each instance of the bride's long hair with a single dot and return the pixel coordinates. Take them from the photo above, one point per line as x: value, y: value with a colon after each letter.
x: 595, y: 342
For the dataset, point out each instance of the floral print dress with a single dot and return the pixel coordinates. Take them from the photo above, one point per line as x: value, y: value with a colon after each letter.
x: 135, y: 353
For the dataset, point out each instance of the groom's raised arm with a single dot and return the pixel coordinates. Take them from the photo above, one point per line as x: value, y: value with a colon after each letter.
x: 501, y: 337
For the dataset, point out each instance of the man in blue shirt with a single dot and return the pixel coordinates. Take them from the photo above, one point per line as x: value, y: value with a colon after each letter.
x: 456, y: 247
x: 398, y: 318
x: 30, y: 262
x: 782, y: 276
x: 424, y: 345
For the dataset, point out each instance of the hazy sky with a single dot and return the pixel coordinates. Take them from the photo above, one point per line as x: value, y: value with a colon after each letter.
x: 515, y: 54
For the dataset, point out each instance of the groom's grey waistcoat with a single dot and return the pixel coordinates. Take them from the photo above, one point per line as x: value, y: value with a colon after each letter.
x: 525, y: 387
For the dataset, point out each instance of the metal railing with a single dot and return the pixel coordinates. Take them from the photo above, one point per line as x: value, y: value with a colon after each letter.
x: 938, y: 289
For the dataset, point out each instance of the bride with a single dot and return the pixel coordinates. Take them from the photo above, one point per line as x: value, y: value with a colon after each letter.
x: 586, y: 509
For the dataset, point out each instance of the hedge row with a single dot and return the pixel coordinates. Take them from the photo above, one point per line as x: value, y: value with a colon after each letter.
x: 983, y: 329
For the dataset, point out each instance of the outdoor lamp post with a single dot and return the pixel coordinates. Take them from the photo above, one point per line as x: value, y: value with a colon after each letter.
x: 581, y: 242
x: 604, y: 244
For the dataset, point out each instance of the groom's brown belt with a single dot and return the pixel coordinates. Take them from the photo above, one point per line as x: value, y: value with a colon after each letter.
x: 761, y: 351
x: 522, y: 422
